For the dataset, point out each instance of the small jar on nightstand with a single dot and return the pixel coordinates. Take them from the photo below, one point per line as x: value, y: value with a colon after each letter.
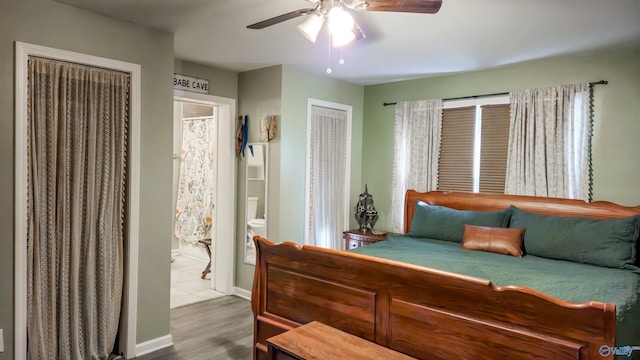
x: 356, y: 238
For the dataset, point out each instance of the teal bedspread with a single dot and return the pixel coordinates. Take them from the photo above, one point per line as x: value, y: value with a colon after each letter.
x: 565, y: 280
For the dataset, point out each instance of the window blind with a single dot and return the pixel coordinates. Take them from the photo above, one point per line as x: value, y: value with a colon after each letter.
x: 494, y: 148
x: 456, y: 149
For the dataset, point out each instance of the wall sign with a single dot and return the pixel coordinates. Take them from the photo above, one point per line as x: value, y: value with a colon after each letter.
x: 188, y: 83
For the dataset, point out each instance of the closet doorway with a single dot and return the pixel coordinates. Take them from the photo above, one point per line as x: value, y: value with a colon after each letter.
x: 203, y: 198
x: 127, y: 331
x: 328, y: 176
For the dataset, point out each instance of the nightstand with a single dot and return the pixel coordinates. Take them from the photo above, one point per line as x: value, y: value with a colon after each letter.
x: 356, y: 238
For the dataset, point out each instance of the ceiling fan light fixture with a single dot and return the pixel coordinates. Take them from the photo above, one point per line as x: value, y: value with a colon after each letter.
x: 357, y: 31
x: 341, y: 25
x: 311, y: 27
x: 342, y: 38
x: 340, y: 21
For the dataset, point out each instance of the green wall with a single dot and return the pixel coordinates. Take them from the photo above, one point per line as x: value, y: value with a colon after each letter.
x: 259, y: 94
x: 297, y: 87
x: 616, y: 168
x: 221, y: 82
x: 284, y: 90
x: 52, y: 24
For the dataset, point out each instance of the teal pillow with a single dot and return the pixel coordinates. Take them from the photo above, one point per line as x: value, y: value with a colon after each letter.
x: 610, y: 243
x: 443, y: 223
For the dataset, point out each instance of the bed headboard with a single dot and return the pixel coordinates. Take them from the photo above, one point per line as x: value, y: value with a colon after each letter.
x: 540, y: 205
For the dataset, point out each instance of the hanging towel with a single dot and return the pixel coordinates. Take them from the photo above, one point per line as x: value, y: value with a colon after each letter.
x: 264, y: 129
x: 245, y: 133
x: 273, y: 128
x: 239, y: 135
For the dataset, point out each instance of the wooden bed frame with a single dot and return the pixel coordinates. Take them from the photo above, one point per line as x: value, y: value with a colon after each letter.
x: 428, y: 313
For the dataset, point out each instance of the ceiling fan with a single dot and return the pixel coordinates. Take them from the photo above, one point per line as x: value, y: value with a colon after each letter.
x: 342, y: 28
x: 325, y: 8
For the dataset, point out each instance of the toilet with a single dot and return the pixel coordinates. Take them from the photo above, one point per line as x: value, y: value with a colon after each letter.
x: 252, y: 207
x: 254, y: 226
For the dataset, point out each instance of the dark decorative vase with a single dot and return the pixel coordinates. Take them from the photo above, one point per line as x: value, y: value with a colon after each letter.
x: 365, y: 213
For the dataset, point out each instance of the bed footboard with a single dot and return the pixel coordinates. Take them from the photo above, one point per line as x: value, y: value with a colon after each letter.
x: 424, y: 313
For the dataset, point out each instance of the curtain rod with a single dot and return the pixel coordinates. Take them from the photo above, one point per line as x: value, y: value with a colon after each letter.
x: 593, y: 83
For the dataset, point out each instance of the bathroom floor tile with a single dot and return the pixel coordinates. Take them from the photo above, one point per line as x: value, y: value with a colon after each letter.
x: 208, y: 294
x: 192, y: 286
x: 186, y: 285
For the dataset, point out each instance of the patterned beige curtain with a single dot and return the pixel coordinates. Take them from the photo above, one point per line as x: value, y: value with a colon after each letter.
x: 416, y: 151
x: 196, y: 186
x: 548, y: 142
x: 77, y: 124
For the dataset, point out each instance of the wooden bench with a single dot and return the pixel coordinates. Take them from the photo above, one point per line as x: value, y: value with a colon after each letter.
x: 317, y: 341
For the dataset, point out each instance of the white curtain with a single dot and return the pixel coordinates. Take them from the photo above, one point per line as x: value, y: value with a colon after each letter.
x: 196, y: 186
x: 416, y: 151
x: 548, y: 142
x: 78, y: 118
x: 328, y: 183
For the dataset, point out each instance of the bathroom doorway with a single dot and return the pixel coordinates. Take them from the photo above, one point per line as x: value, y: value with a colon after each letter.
x: 202, y: 244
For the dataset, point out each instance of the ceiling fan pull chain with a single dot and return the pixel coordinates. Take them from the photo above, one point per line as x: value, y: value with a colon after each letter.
x: 329, y: 70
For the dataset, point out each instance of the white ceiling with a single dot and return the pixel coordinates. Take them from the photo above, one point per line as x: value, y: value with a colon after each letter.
x: 465, y: 35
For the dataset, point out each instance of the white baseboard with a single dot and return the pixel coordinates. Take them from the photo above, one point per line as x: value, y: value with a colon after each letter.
x: 154, y: 345
x: 194, y: 257
x: 242, y: 293
x: 194, y: 251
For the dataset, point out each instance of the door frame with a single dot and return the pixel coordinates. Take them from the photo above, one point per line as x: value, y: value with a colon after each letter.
x: 223, y: 242
x: 130, y: 289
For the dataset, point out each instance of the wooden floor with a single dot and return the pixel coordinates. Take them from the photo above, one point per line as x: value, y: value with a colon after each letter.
x: 214, y: 330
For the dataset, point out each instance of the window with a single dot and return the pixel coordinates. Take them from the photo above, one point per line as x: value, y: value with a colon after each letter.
x: 474, y: 147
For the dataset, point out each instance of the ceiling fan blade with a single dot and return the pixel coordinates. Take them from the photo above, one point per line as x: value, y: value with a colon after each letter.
x: 280, y: 18
x: 411, y: 6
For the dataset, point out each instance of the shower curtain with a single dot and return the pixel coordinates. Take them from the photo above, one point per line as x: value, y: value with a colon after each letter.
x: 196, y: 186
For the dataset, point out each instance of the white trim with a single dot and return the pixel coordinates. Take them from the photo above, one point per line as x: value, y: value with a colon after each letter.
x: 199, y: 118
x: 225, y: 202
x: 493, y: 100
x: 242, y: 293
x: 477, y: 148
x: 175, y: 252
x: 20, y: 206
x: 154, y: 345
x: 130, y: 290
x: 336, y: 106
